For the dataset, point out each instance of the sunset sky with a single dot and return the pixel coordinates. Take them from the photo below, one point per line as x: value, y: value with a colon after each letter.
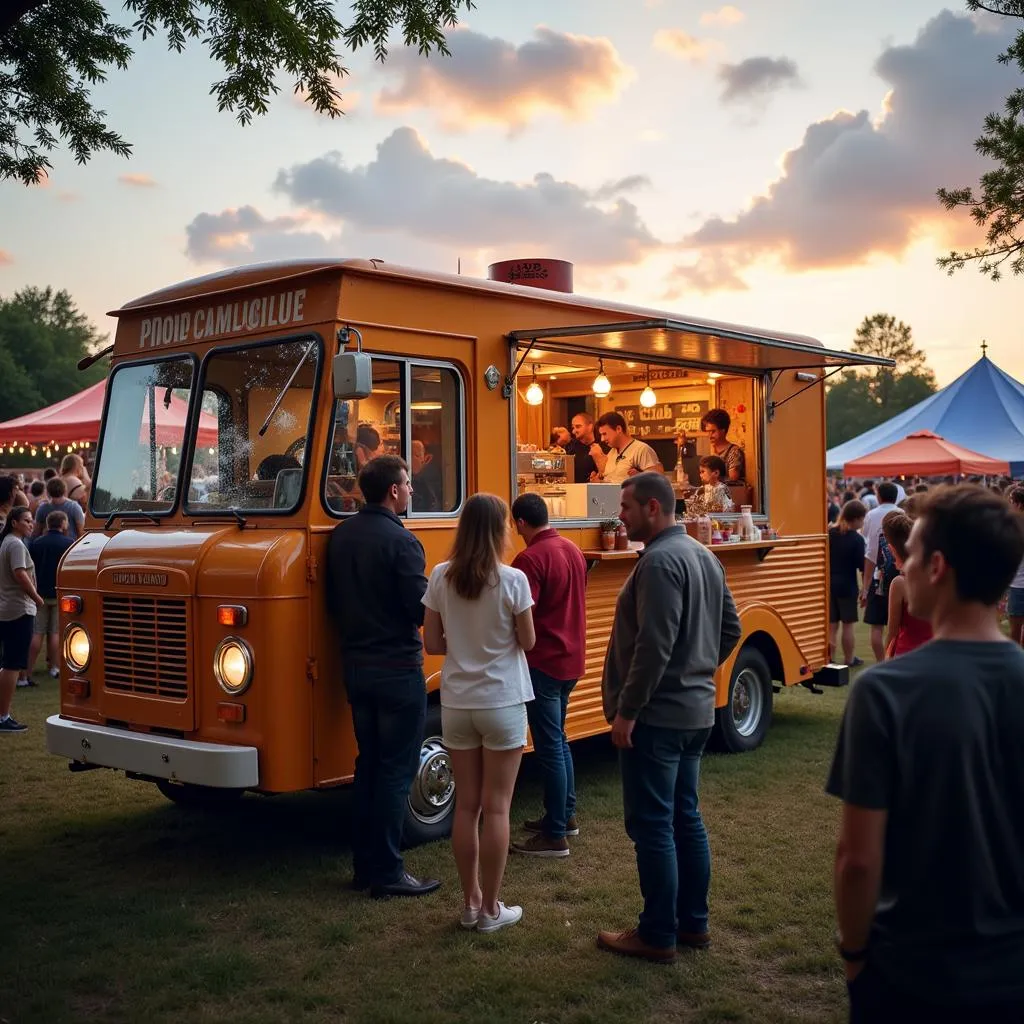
x: 771, y: 163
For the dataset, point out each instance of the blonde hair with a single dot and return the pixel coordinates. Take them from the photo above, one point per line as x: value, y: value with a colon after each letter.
x: 71, y: 463
x: 479, y: 545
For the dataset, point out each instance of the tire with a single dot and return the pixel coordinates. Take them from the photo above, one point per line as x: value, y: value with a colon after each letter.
x: 187, y: 794
x: 743, y: 723
x: 431, y: 803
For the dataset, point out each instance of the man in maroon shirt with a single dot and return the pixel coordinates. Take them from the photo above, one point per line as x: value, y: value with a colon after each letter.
x: 558, y: 580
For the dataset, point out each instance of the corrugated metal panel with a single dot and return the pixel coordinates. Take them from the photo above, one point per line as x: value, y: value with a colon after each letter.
x: 792, y: 581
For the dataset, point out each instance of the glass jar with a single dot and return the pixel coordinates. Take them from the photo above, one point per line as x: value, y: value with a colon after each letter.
x: 748, y: 531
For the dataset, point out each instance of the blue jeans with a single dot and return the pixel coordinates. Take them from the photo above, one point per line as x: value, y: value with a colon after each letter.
x: 659, y: 795
x: 546, y: 715
x: 389, y: 706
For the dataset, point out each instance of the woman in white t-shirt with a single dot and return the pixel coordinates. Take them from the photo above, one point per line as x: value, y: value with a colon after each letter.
x: 478, y: 614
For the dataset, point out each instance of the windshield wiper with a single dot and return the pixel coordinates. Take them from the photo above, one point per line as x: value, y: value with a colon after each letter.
x: 224, y: 513
x: 284, y: 390
x: 131, y: 514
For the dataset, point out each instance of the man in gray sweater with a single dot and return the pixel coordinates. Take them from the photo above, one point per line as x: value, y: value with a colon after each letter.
x: 675, y: 623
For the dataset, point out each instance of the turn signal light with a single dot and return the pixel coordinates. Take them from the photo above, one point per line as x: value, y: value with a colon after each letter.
x: 228, y: 712
x: 232, y: 615
x: 71, y: 604
x: 78, y: 687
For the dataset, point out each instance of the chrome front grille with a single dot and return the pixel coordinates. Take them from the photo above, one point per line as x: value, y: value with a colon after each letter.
x: 145, y: 645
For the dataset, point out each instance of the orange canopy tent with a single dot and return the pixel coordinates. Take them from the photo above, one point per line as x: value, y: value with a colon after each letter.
x: 75, y: 421
x: 924, y: 454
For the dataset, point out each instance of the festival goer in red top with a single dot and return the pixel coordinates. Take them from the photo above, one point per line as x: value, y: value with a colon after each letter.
x: 557, y: 573
x: 906, y: 631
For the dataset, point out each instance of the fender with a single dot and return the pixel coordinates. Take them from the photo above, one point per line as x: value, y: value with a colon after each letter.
x: 783, y: 652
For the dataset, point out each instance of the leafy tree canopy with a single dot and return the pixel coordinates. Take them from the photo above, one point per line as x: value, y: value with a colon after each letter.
x: 861, y: 399
x: 42, y: 337
x: 52, y: 52
x: 997, y: 205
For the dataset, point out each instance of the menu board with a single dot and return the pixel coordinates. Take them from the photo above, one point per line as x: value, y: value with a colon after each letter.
x: 665, y: 419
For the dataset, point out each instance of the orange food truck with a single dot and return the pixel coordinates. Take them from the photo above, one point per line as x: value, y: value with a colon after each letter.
x: 198, y: 650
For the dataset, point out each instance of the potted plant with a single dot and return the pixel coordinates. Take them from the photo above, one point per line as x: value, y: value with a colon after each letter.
x: 608, y: 530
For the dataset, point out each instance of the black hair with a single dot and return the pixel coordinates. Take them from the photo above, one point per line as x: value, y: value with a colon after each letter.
x: 8, y: 485
x: 888, y: 493
x: 379, y: 475
x: 531, y: 509
x: 614, y: 420
x: 715, y: 463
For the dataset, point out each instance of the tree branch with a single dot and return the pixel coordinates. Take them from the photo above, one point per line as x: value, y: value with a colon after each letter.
x: 14, y: 10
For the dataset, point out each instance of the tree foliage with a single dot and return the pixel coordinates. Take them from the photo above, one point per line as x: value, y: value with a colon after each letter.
x: 997, y: 205
x: 52, y: 52
x: 863, y: 398
x: 42, y: 337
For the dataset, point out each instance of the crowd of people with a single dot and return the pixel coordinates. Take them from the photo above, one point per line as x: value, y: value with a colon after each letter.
x: 929, y: 881
x: 38, y: 523
x: 869, y: 525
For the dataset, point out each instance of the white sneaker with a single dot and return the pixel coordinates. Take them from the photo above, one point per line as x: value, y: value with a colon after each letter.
x: 505, y: 917
x: 55, y: 673
x: 470, y: 916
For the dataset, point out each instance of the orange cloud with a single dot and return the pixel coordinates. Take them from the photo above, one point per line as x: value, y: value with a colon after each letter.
x: 6, y: 259
x: 489, y: 80
x: 724, y: 16
x: 678, y: 43
x: 137, y: 180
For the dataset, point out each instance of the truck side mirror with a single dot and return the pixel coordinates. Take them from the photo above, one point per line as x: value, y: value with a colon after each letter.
x: 353, y: 375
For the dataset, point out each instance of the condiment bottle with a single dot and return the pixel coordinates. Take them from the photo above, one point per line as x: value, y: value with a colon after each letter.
x: 748, y: 531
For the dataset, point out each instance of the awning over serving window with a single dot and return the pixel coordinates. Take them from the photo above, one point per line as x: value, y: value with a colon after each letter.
x: 705, y: 344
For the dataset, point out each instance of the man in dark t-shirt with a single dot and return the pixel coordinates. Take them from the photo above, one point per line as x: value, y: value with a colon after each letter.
x: 929, y: 876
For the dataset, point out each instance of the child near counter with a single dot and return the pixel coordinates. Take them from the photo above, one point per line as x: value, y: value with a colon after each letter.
x: 713, y: 496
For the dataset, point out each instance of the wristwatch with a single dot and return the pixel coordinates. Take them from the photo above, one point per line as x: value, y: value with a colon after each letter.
x: 851, y: 956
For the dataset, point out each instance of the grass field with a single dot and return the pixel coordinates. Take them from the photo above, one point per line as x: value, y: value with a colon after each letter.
x: 118, y: 906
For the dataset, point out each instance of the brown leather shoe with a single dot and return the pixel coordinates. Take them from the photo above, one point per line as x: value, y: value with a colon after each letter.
x: 693, y: 940
x: 629, y: 943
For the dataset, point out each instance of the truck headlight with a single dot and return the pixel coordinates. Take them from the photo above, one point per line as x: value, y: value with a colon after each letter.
x: 77, y: 647
x: 232, y: 665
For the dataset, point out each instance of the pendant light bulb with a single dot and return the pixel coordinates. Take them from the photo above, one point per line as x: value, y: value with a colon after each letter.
x: 534, y: 393
x: 602, y: 386
x: 648, y: 399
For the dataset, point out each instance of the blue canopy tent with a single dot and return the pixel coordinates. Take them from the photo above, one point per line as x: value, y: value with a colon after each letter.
x: 983, y: 410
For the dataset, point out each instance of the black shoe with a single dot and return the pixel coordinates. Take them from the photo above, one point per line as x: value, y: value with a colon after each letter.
x: 405, y: 886
x: 9, y: 724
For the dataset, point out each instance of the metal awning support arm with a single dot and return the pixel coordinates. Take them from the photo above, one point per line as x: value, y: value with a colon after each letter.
x: 773, y: 406
x: 510, y: 381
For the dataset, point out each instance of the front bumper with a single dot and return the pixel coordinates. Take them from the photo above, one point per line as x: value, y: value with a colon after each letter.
x: 162, y: 757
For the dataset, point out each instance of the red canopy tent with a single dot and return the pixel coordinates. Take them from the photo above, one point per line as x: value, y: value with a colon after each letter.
x: 924, y: 454
x: 76, y: 421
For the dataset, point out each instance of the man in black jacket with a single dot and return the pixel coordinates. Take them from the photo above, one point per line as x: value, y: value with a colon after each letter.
x: 375, y: 586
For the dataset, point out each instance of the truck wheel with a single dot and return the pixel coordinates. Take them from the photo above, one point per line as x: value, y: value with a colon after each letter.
x: 187, y: 794
x: 431, y: 802
x: 743, y: 723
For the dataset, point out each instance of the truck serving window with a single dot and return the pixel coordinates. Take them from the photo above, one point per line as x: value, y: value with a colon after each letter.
x: 261, y: 400
x: 139, y: 461
x: 416, y: 412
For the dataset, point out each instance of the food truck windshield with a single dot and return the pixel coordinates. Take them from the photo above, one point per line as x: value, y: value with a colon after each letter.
x: 233, y: 431
x: 584, y: 422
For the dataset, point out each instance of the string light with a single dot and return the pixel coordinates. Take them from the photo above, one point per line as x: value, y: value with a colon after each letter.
x: 534, y: 393
x: 602, y: 386
x: 648, y: 399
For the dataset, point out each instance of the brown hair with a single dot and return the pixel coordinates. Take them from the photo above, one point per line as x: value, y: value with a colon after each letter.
x: 978, y: 534
x: 70, y: 464
x: 853, y: 511
x: 479, y: 545
x: 718, y: 418
x: 911, y: 505
x: 1016, y: 495
x: 613, y: 420
x: 896, y: 527
x: 56, y: 520
x: 56, y: 488
x: 716, y: 464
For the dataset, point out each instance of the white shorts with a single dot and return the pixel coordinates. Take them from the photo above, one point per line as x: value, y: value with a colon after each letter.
x: 493, y: 728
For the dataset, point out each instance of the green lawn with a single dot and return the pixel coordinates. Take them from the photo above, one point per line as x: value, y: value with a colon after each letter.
x: 117, y: 906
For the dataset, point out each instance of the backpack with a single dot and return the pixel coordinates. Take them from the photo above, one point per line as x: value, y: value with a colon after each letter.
x: 886, y: 564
